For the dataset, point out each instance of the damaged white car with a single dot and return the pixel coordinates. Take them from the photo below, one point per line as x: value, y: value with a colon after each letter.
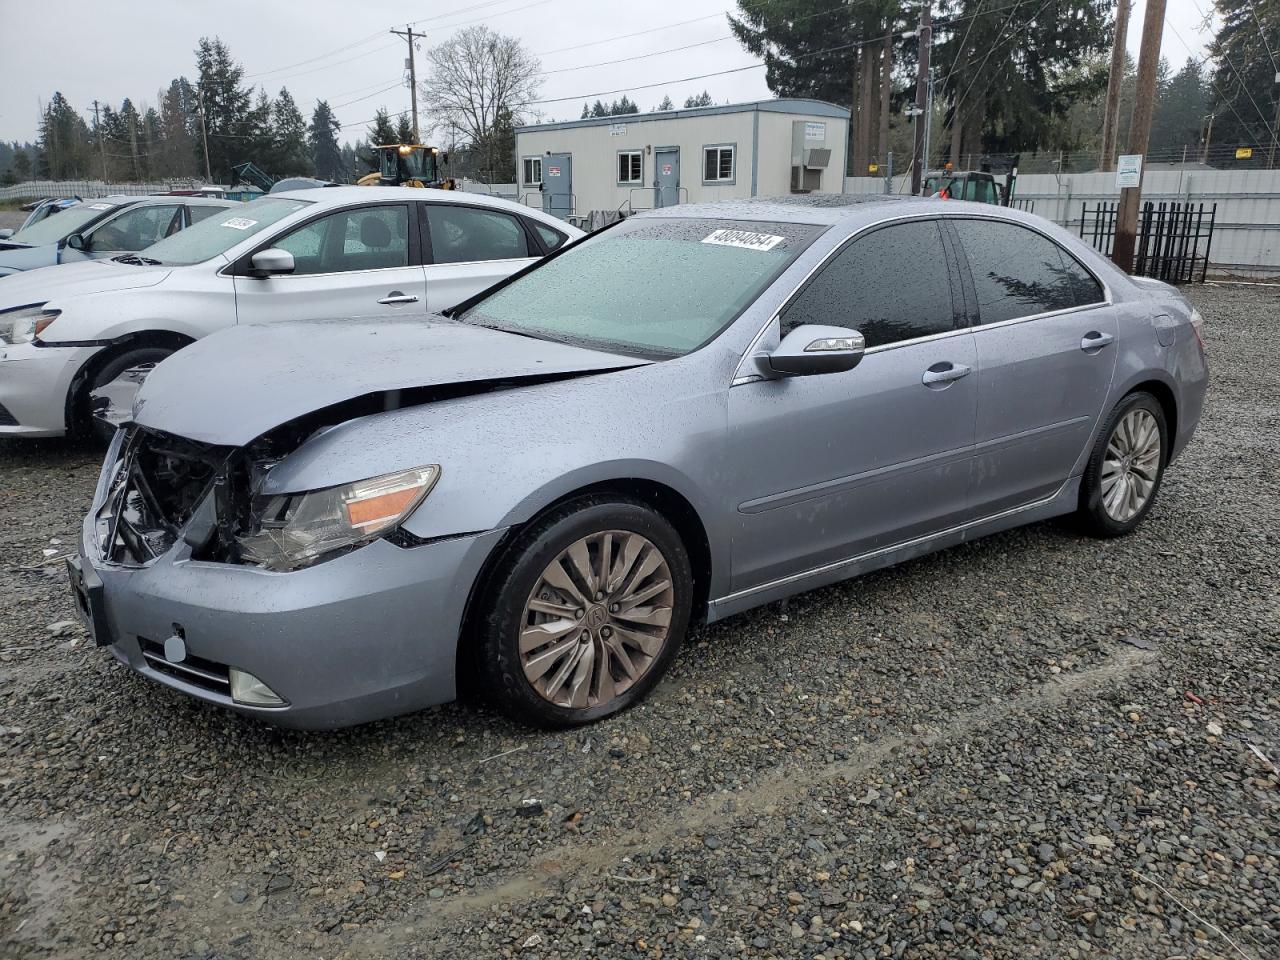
x: 81, y: 337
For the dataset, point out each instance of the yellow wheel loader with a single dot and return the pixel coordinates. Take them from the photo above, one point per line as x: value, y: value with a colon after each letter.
x: 409, y: 165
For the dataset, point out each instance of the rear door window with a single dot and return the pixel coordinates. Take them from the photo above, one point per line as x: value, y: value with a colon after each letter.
x: 1018, y: 272
x: 469, y: 234
x: 892, y: 284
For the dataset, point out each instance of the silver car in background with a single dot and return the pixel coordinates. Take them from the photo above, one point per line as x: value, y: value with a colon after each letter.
x: 694, y: 412
x: 101, y: 229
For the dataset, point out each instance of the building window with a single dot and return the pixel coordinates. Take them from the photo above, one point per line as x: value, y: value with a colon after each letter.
x: 718, y: 164
x: 532, y: 171
x: 629, y: 166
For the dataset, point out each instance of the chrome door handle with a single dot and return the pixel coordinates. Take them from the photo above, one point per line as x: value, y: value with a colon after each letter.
x: 1095, y: 340
x: 944, y: 372
x: 395, y: 296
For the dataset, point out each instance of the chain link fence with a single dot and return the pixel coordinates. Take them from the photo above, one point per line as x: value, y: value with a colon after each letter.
x: 88, y: 189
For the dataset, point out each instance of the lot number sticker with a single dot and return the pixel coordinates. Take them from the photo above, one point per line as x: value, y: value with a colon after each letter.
x: 553, y: 171
x: 239, y: 223
x: 744, y: 239
x: 99, y: 206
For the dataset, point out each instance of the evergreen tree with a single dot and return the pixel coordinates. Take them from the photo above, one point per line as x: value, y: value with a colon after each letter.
x: 1181, y: 106
x: 599, y: 109
x: 382, y: 132
x: 322, y: 139
x: 1245, y: 94
x: 21, y: 166
x: 404, y: 129
x: 180, y: 152
x: 350, y: 163
x: 704, y: 100
x: 235, y: 128
x: 125, y: 144
x: 586, y: 112
x: 289, y: 134
x: 65, y: 149
x: 666, y: 104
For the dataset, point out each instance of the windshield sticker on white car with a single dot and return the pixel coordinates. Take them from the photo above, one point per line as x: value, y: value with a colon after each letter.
x: 744, y: 239
x: 99, y: 206
x: 239, y: 223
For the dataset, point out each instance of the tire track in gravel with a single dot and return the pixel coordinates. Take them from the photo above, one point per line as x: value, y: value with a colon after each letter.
x: 716, y: 812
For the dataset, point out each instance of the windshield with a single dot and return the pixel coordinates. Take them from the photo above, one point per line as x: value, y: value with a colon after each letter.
x: 654, y: 287
x: 69, y: 221
x: 207, y: 239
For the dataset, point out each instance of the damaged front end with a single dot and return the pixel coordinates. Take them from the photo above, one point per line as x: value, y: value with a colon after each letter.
x: 165, y: 488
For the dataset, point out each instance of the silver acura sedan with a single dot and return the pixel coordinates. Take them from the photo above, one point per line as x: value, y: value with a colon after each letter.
x: 694, y: 412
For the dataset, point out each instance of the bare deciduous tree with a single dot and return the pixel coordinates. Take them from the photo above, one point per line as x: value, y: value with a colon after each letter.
x: 478, y: 84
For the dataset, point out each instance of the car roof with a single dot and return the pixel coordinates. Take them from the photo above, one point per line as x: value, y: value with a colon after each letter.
x: 819, y: 208
x: 341, y: 196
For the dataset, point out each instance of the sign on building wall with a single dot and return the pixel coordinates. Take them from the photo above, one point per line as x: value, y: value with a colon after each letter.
x: 1244, y: 153
x: 815, y: 131
x: 617, y: 129
x: 1129, y: 170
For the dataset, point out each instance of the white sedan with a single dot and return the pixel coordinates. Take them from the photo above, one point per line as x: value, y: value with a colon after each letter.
x: 73, y: 331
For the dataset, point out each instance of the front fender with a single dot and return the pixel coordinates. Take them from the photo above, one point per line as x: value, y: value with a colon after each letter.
x: 103, y: 318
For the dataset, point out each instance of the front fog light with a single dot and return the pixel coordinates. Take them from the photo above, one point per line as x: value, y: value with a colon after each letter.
x: 249, y: 690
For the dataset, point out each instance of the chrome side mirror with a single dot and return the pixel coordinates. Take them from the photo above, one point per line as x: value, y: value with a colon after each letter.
x: 272, y: 262
x: 77, y: 241
x: 812, y: 349
x: 6, y: 233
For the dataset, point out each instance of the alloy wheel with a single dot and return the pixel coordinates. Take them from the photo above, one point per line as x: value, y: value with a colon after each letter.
x: 1130, y: 465
x: 597, y: 618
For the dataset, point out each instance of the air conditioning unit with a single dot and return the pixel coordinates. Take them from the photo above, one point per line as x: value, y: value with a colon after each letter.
x: 805, y: 179
x: 817, y: 159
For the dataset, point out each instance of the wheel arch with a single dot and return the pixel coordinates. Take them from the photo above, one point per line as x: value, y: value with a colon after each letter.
x: 664, y: 499
x: 1168, y: 401
x: 78, y: 396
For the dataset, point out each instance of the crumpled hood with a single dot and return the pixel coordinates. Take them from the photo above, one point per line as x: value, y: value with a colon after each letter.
x: 61, y: 282
x: 237, y: 384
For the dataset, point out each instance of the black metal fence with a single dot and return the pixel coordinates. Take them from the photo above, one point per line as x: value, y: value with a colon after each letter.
x: 1173, y: 239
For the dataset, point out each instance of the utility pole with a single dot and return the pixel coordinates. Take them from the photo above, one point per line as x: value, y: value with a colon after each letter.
x: 922, y: 97
x: 1115, y: 80
x: 102, y: 146
x: 1139, y: 133
x: 204, y: 137
x: 408, y: 34
x: 133, y: 147
x: 1204, y: 155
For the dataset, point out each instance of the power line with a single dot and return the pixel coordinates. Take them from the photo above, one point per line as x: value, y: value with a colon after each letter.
x: 641, y: 56
x: 1266, y: 121
x: 1244, y: 127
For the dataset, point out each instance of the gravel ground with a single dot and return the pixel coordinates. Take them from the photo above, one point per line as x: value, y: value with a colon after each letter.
x: 1036, y: 745
x: 12, y: 218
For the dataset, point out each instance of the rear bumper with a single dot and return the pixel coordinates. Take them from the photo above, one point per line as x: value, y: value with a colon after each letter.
x: 34, y: 384
x: 364, y: 636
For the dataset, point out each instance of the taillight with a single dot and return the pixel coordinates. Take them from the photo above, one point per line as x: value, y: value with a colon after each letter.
x: 1197, y: 325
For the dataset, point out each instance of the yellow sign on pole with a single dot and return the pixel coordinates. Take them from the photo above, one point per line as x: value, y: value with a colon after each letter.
x: 1244, y: 153
x: 873, y: 168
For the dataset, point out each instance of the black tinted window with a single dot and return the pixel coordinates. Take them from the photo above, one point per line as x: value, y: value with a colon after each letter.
x: 1017, y: 272
x: 467, y: 234
x: 890, y: 285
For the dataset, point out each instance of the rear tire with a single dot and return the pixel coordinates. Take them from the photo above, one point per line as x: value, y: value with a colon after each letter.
x: 93, y: 427
x: 584, y: 612
x: 1125, y: 468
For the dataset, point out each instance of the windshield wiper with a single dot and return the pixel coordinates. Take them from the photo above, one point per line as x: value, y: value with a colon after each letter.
x: 137, y: 260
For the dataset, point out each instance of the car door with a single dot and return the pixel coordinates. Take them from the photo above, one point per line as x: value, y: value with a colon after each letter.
x: 1045, y: 337
x: 830, y: 467
x: 359, y: 261
x: 132, y: 230
x: 469, y: 248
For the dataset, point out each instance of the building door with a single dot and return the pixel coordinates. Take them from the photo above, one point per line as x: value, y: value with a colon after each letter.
x: 666, y: 176
x: 557, y: 185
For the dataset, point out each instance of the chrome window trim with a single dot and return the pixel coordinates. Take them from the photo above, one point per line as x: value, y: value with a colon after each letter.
x: 1107, y: 298
x: 741, y: 378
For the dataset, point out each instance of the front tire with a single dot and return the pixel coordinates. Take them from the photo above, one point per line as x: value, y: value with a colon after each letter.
x: 140, y: 359
x: 585, y: 612
x: 1126, y: 467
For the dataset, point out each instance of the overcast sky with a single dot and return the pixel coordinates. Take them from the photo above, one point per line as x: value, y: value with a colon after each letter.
x: 340, y: 51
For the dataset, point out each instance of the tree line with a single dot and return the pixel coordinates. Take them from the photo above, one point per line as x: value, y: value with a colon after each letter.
x: 202, y: 126
x: 1010, y: 80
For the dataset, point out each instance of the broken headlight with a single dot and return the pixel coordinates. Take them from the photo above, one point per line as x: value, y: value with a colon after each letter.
x: 295, y: 530
x: 25, y: 324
